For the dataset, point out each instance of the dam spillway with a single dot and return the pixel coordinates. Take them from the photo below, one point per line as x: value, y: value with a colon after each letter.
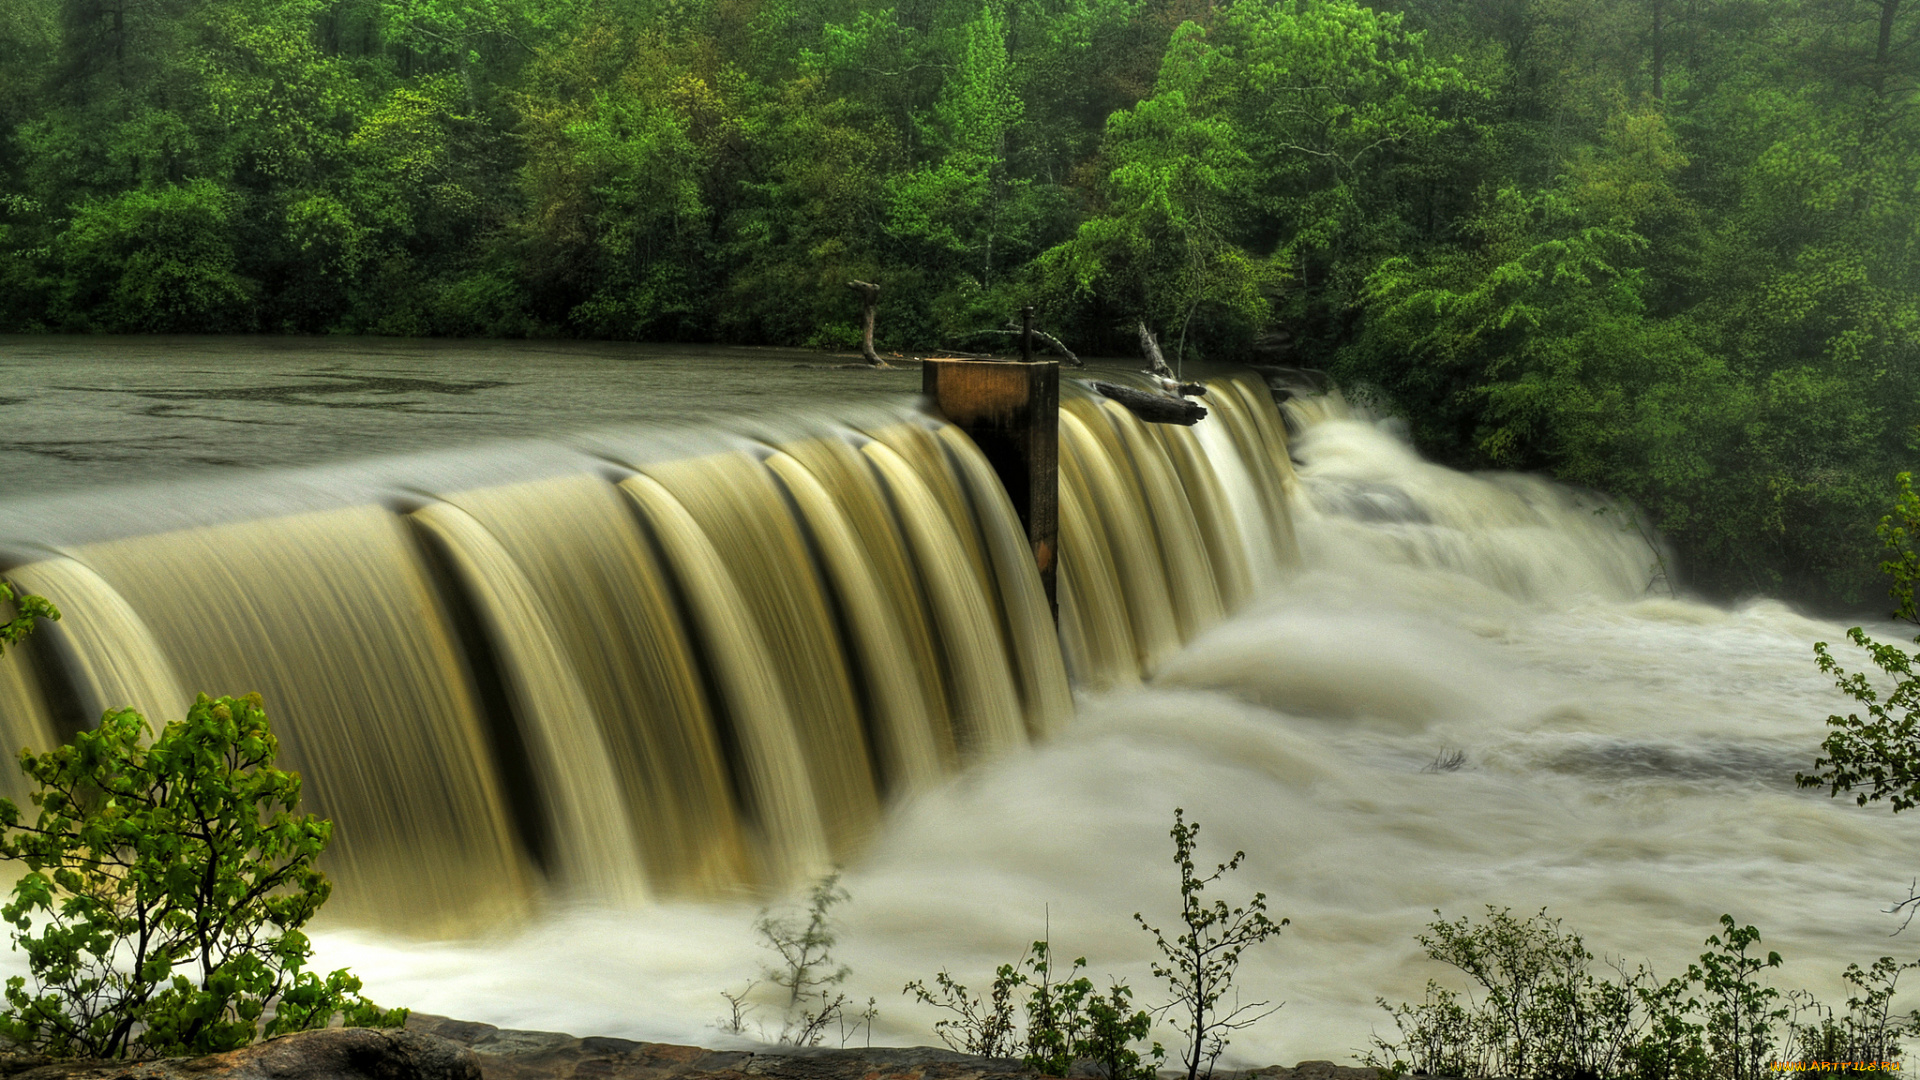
x: 1625, y: 756
x: 646, y: 669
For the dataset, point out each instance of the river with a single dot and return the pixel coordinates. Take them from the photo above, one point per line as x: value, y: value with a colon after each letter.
x: 1621, y: 757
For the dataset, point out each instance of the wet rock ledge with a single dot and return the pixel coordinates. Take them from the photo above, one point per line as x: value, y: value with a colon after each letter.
x: 438, y: 1048
x: 541, y: 1055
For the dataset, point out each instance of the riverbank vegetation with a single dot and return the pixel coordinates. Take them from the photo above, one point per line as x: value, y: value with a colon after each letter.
x: 1537, y: 1011
x: 166, y: 886
x: 1663, y: 248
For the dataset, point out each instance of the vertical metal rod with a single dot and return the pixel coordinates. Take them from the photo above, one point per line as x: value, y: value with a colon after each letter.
x: 1026, y: 334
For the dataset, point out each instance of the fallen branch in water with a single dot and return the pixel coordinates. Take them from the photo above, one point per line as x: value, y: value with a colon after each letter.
x: 1043, y: 338
x: 1150, y: 348
x: 1153, y: 408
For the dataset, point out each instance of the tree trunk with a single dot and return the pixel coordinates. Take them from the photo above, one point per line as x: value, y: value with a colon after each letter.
x: 1153, y: 408
x: 870, y: 297
x: 1659, y: 50
x: 1054, y: 343
x: 1150, y: 348
x: 1883, y: 48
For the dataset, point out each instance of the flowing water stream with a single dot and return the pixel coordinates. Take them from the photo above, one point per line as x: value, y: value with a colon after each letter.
x: 579, y: 706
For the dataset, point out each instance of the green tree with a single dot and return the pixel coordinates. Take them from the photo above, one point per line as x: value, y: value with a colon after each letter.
x: 956, y: 205
x: 1741, y: 1013
x: 1162, y: 248
x: 618, y: 129
x: 1203, y: 959
x: 156, y: 260
x: 166, y: 887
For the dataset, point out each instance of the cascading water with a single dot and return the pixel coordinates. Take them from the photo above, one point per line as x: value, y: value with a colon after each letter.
x: 788, y: 647
x: 640, y: 673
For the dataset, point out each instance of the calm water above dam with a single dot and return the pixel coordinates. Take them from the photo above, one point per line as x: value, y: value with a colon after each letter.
x: 79, y: 412
x: 1282, y: 639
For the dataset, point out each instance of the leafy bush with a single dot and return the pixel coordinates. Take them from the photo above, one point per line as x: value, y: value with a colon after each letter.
x: 1201, y: 962
x: 1541, y: 1014
x: 165, y: 890
x: 807, y: 972
x: 1113, y: 1028
x: 1067, y: 1021
x: 980, y: 1025
x: 160, y: 260
x: 1879, y: 757
x: 1868, y: 1030
x: 1740, y: 1013
x: 28, y: 607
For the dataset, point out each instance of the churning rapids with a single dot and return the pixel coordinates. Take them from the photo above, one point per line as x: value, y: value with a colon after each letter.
x: 1316, y: 634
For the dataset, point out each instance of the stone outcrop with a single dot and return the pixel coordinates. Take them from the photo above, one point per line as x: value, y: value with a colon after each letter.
x: 327, y: 1054
x: 437, y: 1048
x: 541, y: 1055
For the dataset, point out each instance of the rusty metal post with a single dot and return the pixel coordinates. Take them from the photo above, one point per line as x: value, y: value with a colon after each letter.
x: 1011, y: 410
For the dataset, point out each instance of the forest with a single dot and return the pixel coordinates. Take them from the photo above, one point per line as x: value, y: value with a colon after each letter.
x: 1667, y: 249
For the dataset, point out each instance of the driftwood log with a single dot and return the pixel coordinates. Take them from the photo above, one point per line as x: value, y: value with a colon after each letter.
x: 1051, y: 342
x: 1153, y: 408
x: 1150, y: 348
x: 1044, y: 338
x: 870, y: 297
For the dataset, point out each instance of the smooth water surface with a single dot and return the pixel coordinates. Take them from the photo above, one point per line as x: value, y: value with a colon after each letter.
x: 83, y: 412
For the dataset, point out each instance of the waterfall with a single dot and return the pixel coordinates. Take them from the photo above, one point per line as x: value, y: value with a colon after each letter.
x: 647, y: 667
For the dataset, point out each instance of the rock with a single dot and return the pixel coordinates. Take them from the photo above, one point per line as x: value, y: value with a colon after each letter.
x: 541, y: 1055
x: 545, y: 1055
x: 1310, y: 1070
x: 326, y: 1054
x: 530, y: 1055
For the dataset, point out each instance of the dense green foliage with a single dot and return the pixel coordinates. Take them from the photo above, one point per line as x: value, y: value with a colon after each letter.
x: 1666, y: 249
x: 166, y: 885
x: 1537, y: 1011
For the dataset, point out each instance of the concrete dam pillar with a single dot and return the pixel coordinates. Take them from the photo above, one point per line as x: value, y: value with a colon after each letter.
x: 1011, y: 410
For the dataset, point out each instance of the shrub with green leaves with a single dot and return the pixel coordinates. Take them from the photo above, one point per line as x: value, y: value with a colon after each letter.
x: 1113, y: 1028
x: 1539, y: 1013
x: 1878, y: 757
x: 1869, y: 1030
x: 167, y: 883
x: 1741, y: 1013
x: 27, y: 608
x: 807, y: 971
x: 1538, y: 1010
x: 1068, y: 1022
x: 1202, y: 959
x: 982, y: 1025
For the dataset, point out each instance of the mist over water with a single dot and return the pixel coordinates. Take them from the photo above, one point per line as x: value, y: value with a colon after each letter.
x: 1628, y: 763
